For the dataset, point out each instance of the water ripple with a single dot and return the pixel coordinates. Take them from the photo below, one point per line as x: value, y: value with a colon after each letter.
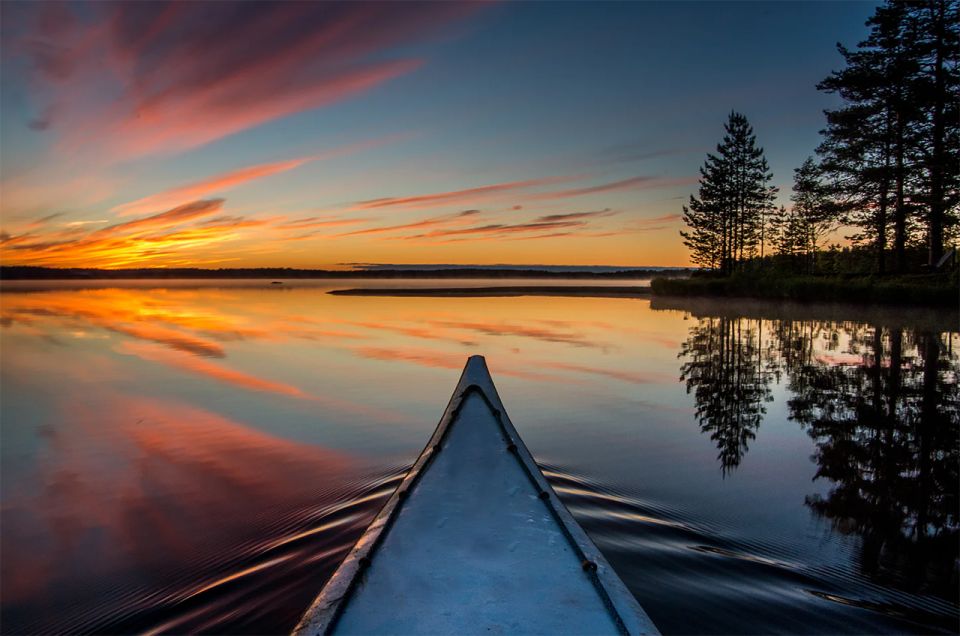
x: 690, y: 576
x: 694, y: 577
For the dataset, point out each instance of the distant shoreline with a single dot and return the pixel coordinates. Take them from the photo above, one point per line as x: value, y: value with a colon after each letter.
x: 48, y: 273
x: 595, y: 291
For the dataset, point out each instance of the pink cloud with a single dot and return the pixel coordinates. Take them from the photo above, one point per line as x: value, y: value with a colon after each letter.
x: 198, y: 189
x: 575, y: 215
x: 633, y: 183
x: 474, y: 196
x: 430, y: 222
x: 652, y: 224
x: 169, y: 218
x: 499, y: 229
x: 462, y: 197
x: 132, y: 79
x: 209, y: 114
x: 312, y: 222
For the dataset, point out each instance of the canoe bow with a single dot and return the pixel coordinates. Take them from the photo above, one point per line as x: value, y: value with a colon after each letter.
x: 575, y: 587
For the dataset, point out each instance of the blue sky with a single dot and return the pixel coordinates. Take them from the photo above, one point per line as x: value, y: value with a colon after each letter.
x: 593, y: 116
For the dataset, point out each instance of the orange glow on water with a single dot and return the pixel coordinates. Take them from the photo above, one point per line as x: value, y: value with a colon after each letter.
x: 165, y: 447
x: 156, y: 376
x: 199, y: 445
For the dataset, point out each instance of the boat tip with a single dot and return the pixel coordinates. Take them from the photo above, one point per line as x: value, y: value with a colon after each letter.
x: 476, y: 364
x: 475, y: 371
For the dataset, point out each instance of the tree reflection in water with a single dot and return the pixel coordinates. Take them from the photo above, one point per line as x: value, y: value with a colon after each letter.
x: 725, y: 371
x: 886, y: 437
x: 882, y: 405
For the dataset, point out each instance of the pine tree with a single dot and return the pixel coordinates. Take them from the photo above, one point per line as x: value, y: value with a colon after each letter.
x: 707, y: 218
x: 726, y: 221
x: 891, y: 149
x: 788, y: 241
x: 936, y: 49
x: 750, y: 196
x: 893, y: 37
x: 857, y: 151
x: 779, y: 237
x: 814, y: 212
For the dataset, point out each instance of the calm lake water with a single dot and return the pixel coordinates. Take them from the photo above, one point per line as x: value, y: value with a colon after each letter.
x: 199, y: 457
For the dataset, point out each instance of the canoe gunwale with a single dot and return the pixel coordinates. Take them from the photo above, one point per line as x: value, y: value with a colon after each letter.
x: 322, y: 615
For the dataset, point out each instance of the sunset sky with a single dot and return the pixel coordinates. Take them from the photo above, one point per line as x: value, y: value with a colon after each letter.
x: 211, y: 134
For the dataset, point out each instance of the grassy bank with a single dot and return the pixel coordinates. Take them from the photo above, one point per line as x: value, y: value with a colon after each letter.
x: 939, y: 290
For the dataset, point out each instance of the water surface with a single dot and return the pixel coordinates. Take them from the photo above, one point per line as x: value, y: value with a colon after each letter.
x: 198, y: 456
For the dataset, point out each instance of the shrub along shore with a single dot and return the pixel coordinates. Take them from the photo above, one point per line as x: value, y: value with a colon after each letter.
x: 942, y: 290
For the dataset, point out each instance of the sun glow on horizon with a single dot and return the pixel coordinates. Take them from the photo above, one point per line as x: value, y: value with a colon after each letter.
x: 312, y: 135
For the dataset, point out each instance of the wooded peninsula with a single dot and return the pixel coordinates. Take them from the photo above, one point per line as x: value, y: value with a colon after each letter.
x: 885, y: 177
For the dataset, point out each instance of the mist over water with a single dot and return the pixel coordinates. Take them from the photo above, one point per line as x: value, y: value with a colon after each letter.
x: 199, y: 456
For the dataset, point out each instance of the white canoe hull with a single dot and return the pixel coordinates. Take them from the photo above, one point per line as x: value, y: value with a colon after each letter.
x: 474, y: 541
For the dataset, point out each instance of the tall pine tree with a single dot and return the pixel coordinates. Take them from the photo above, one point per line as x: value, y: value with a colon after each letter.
x: 936, y: 50
x: 813, y: 210
x: 891, y: 149
x: 726, y: 219
x: 707, y: 217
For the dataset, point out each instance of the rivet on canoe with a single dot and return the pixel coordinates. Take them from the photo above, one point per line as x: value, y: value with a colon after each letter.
x: 588, y: 566
x: 544, y: 495
x: 363, y: 562
x: 512, y: 448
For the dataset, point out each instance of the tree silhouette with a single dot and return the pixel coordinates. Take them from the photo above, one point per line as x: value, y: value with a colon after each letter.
x: 726, y: 220
x: 726, y: 372
x: 891, y: 150
x: 886, y: 435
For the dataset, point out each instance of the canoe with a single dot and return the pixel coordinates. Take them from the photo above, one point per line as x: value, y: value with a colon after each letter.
x: 474, y: 541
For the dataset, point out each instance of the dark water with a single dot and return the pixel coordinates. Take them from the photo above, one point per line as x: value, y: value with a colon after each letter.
x: 198, y: 459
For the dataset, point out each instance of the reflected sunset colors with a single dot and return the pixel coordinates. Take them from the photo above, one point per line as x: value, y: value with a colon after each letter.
x: 200, y: 456
x: 146, y: 428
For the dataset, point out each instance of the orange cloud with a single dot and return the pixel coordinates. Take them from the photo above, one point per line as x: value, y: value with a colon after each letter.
x: 199, y: 189
x: 141, y: 241
x: 222, y: 182
x: 166, y: 219
x: 461, y: 197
